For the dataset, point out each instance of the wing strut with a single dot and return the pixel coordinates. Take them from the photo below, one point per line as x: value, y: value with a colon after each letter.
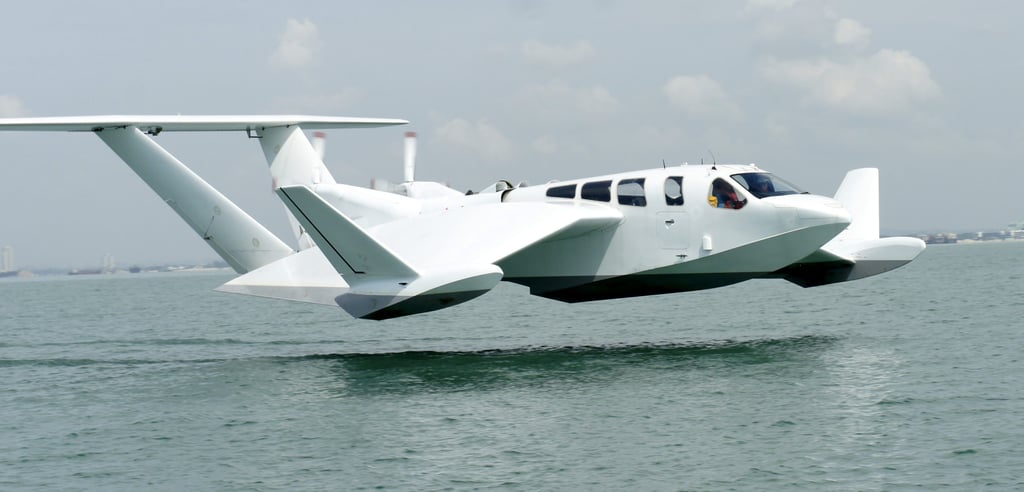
x: 238, y: 238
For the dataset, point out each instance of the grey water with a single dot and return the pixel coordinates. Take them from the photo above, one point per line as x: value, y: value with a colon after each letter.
x: 909, y: 380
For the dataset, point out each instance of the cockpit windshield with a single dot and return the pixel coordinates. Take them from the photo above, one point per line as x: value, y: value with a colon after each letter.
x: 764, y: 185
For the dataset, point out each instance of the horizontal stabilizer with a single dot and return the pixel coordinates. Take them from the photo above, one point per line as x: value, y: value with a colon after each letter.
x: 305, y: 276
x: 351, y: 251
x: 179, y: 123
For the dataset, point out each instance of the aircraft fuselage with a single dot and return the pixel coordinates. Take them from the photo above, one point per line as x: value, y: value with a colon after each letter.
x: 674, y: 234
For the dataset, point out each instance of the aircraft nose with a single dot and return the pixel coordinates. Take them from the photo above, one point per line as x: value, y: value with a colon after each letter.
x: 822, y: 210
x: 815, y: 210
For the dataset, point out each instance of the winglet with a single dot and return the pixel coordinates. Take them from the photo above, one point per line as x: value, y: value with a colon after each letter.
x: 352, y: 251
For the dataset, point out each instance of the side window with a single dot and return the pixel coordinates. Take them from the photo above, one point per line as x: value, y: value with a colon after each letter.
x: 598, y: 190
x: 674, y: 190
x: 564, y: 191
x: 723, y: 195
x: 631, y: 192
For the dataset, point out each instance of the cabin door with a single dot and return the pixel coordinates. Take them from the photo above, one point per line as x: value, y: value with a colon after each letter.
x: 673, y: 230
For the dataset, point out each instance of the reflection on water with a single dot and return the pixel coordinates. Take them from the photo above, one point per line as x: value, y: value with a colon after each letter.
x: 490, y: 369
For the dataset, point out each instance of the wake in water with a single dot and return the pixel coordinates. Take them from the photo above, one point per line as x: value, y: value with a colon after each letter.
x: 666, y: 349
x: 416, y: 371
x: 407, y: 372
x: 526, y: 356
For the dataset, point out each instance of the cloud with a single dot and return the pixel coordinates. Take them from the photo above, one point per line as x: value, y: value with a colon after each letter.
x: 800, y: 30
x: 700, y: 96
x: 851, y: 33
x: 886, y: 82
x: 11, y: 107
x: 561, y: 145
x: 480, y: 137
x: 545, y: 145
x: 822, y: 54
x: 297, y: 46
x: 558, y: 55
x: 320, y: 102
x: 557, y: 96
x: 770, y: 4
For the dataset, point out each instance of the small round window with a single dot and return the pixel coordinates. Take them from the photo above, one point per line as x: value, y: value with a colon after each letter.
x: 674, y: 190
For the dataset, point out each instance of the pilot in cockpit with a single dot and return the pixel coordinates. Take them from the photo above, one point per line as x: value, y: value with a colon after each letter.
x: 724, y: 196
x: 762, y: 186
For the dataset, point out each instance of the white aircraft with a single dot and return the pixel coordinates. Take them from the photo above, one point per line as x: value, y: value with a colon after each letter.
x: 382, y: 255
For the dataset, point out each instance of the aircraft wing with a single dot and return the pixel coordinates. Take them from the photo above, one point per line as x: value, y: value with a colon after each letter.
x: 202, y: 123
x: 421, y: 263
x: 486, y: 234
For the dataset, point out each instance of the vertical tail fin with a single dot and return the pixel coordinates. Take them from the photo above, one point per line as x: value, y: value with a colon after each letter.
x: 859, y: 195
x: 294, y: 160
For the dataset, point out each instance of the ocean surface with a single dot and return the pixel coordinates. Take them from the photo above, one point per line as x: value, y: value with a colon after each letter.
x: 909, y: 380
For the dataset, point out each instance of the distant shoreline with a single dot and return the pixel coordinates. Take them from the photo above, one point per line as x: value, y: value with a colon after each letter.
x: 983, y: 241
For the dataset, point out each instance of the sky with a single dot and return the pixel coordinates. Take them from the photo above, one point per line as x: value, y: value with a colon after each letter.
x: 533, y: 90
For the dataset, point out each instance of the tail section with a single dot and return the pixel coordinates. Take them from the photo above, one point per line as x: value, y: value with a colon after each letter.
x: 374, y: 282
x: 382, y: 285
x: 858, y: 251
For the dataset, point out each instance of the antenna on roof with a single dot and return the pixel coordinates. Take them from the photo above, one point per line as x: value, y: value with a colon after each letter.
x: 714, y: 162
x: 663, y: 163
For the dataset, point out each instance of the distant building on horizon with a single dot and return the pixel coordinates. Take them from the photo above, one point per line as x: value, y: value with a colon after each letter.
x: 7, y: 259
